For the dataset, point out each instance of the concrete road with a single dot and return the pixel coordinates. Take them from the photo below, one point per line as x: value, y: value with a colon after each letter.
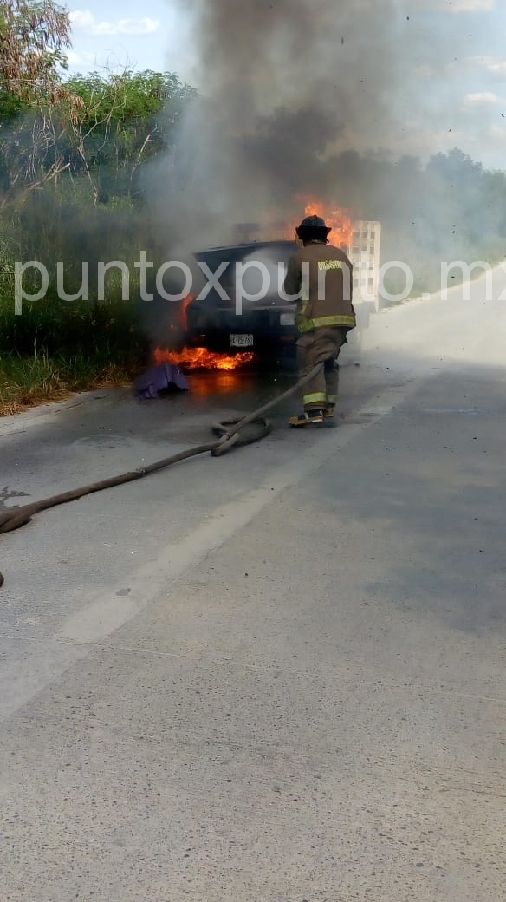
x: 275, y: 676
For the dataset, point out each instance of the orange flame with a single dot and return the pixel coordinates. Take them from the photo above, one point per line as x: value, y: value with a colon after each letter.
x: 184, y: 304
x: 199, y: 358
x: 338, y: 219
x: 202, y: 359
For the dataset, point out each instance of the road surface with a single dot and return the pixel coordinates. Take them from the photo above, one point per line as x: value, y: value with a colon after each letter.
x: 273, y: 677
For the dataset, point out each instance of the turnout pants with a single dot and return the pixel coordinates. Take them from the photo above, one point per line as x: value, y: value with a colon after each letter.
x: 320, y: 346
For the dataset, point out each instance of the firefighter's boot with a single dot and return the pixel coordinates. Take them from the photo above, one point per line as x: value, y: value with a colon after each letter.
x: 314, y: 417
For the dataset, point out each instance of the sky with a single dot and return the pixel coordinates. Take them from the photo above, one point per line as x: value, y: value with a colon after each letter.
x: 118, y: 34
x: 461, y: 88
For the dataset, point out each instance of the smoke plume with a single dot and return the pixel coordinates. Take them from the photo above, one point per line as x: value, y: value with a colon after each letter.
x: 284, y: 87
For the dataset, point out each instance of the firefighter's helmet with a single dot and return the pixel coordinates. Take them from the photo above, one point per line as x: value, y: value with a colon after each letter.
x: 313, y: 224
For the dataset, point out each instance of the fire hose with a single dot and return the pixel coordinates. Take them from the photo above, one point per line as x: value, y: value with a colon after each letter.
x: 228, y: 437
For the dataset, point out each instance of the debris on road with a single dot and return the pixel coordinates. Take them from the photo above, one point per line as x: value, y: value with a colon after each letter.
x: 158, y: 380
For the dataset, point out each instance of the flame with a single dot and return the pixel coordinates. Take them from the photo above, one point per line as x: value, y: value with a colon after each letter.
x: 202, y: 359
x: 273, y: 229
x: 181, y: 314
x: 199, y: 358
x: 338, y: 219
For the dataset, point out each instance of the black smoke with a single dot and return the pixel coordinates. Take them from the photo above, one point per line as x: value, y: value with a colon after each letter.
x: 285, y: 87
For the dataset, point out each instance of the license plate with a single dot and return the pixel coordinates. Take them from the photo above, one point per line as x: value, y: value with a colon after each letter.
x: 242, y: 341
x: 287, y: 319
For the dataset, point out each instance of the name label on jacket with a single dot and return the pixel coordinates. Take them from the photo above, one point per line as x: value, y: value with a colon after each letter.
x: 325, y: 265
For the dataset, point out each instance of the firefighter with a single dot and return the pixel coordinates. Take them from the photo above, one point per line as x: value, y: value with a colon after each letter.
x: 320, y: 277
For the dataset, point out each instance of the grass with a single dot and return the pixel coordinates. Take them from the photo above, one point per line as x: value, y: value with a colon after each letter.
x: 28, y: 381
x: 55, y: 349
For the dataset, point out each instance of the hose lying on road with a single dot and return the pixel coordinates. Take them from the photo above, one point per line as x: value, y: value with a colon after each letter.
x: 229, y: 437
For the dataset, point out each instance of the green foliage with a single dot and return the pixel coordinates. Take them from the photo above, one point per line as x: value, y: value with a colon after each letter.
x: 71, y: 197
x: 450, y: 209
x: 124, y: 120
x: 108, y: 331
x: 99, y: 129
x: 10, y: 105
x: 55, y: 348
x: 129, y: 99
x: 27, y: 381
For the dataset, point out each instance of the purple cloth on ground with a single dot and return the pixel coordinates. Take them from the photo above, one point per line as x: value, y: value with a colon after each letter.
x: 158, y: 379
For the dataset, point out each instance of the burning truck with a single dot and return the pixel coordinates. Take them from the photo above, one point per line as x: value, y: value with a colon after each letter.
x: 221, y: 330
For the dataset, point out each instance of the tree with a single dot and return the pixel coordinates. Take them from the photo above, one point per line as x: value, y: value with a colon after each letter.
x: 125, y: 119
x: 34, y: 102
x: 33, y: 40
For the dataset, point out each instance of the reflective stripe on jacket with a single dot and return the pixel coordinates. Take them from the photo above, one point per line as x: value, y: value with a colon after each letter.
x: 309, y: 324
